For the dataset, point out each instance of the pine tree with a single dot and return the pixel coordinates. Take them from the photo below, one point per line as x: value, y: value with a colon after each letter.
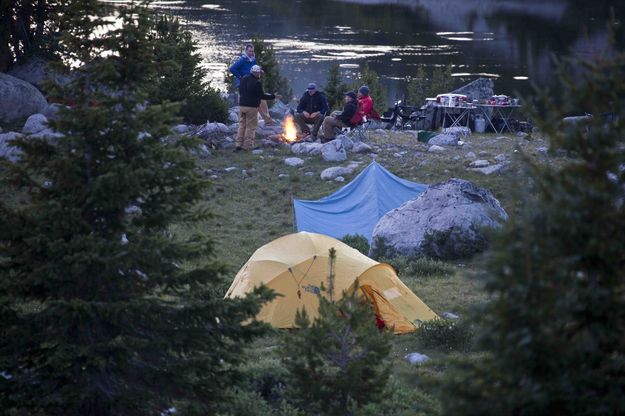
x: 421, y: 86
x: 180, y: 76
x: 100, y: 314
x: 266, y: 58
x: 335, y: 89
x: 371, y: 79
x: 553, y: 331
x: 28, y: 27
x: 338, y: 362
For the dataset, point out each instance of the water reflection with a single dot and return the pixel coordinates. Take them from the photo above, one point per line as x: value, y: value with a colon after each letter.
x: 510, y: 41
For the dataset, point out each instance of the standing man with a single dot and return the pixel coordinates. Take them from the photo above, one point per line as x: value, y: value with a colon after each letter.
x: 250, y: 94
x: 346, y: 119
x: 311, y: 109
x: 241, y: 68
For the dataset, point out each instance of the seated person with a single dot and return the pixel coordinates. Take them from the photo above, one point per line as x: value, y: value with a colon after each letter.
x: 311, y: 109
x: 365, y: 104
x: 349, y: 117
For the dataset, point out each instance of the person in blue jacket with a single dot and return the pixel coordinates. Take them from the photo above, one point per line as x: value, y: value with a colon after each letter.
x: 241, y: 68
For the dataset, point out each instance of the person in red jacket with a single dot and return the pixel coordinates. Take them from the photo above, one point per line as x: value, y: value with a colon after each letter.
x: 365, y: 104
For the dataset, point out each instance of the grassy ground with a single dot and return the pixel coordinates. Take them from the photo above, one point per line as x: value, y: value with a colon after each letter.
x: 252, y: 206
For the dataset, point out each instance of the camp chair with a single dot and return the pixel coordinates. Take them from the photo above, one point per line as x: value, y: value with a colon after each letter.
x: 359, y: 131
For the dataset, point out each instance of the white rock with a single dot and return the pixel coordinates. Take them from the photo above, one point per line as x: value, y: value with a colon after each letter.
x: 501, y: 158
x: 283, y: 175
x: 482, y: 163
x: 348, y: 144
x: 449, y: 315
x: 458, y: 131
x: 457, y: 210
x: 309, y: 174
x: 221, y: 127
x: 35, y: 124
x: 180, y: 129
x: 360, y: 147
x: 333, y: 172
x: 333, y: 151
x: 521, y: 134
x: 47, y: 134
x: 397, y: 155
x: 230, y: 169
x: 52, y: 111
x: 339, y: 179
x: 233, y: 115
x: 416, y: 358
x: 306, y: 148
x: 543, y: 150
x: 19, y: 99
x: 257, y: 151
x: 436, y: 149
x: 489, y: 170
x: 294, y: 161
x: 444, y: 140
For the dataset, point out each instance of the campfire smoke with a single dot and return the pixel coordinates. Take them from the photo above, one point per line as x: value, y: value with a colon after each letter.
x: 289, y: 129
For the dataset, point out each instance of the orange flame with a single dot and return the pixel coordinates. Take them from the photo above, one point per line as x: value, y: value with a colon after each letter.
x: 290, y: 131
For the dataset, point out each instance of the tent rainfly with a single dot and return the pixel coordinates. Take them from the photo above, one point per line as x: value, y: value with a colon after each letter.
x: 358, y: 206
x: 296, y: 265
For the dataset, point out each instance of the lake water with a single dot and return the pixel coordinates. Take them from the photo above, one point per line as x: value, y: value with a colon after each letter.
x: 511, y: 41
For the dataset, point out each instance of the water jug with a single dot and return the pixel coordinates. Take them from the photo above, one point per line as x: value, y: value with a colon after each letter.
x: 480, y: 124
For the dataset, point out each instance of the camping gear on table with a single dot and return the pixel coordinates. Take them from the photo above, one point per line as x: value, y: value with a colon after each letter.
x: 296, y: 266
x: 358, y: 206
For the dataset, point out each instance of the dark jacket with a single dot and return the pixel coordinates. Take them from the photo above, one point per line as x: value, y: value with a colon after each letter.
x: 251, y: 92
x: 313, y: 103
x: 241, y: 68
x: 348, y: 112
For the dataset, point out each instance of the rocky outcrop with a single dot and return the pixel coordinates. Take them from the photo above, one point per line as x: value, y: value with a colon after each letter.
x: 18, y: 99
x: 448, y: 221
x: 35, y: 124
x: 480, y: 89
x: 37, y: 71
x: 335, y: 172
x: 334, y: 151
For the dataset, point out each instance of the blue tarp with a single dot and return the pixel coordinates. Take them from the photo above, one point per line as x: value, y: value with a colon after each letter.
x: 356, y: 207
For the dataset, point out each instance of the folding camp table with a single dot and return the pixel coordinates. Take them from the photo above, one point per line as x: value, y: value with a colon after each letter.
x: 498, y: 112
x: 457, y: 115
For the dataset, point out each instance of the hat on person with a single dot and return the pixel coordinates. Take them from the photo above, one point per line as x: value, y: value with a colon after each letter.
x: 312, y: 86
x: 351, y: 94
x: 364, y: 90
x: 256, y: 68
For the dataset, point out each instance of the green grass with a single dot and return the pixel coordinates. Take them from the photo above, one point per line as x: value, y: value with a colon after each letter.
x: 252, y: 210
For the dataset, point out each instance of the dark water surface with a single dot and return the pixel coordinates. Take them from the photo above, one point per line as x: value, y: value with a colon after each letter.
x: 512, y: 41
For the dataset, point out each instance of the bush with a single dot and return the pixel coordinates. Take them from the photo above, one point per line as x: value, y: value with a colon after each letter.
x: 445, y: 334
x: 402, y: 401
x: 423, y: 85
x: 357, y: 241
x: 419, y: 267
x: 209, y: 106
x: 272, y: 80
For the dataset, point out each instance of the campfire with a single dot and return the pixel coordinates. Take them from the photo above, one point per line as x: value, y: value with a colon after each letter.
x: 289, y: 134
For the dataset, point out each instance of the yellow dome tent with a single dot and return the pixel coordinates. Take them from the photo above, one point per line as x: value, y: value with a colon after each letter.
x: 296, y: 265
